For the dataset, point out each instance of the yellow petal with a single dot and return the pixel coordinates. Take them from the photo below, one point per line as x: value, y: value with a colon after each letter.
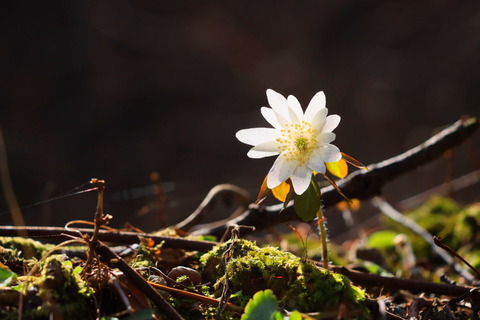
x: 338, y: 169
x: 281, y: 191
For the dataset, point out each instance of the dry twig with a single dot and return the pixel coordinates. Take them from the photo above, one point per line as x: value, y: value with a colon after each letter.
x: 115, y: 261
x: 225, y: 192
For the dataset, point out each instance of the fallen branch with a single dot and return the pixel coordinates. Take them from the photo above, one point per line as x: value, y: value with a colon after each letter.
x: 360, y: 184
x: 119, y: 237
x: 359, y: 278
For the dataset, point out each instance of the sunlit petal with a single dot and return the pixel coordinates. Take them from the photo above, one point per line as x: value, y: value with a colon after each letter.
x: 281, y: 191
x: 327, y: 137
x: 338, y: 168
x: 269, y: 146
x: 255, y: 136
x: 331, y: 153
x: 295, y: 106
x: 278, y: 103
x: 301, y: 178
x: 260, y: 154
x: 331, y: 123
x: 318, y: 120
x: 272, y: 118
x: 280, y: 171
x: 318, y: 102
x: 317, y: 162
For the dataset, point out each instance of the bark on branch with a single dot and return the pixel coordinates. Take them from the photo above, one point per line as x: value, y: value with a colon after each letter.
x: 360, y: 184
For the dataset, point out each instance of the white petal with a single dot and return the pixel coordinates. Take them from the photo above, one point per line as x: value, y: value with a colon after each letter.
x: 331, y: 123
x: 318, y: 120
x: 318, y: 102
x: 275, y: 119
x: 278, y: 103
x: 331, y: 153
x: 326, y: 153
x: 260, y: 154
x: 327, y: 137
x: 301, y: 178
x: 317, y: 161
x: 255, y: 136
x: 295, y: 106
x: 280, y: 171
x: 293, y: 116
x: 316, y: 164
x: 269, y: 146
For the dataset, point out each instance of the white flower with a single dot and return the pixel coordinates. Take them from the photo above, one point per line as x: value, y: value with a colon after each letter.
x: 302, y: 140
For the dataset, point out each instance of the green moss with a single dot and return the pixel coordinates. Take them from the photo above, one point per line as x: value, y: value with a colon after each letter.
x: 441, y: 216
x: 27, y: 248
x: 437, y: 215
x: 147, y: 255
x: 34, y: 248
x: 210, y: 312
x: 58, y: 291
x: 18, y: 252
x: 466, y: 229
x: 299, y: 285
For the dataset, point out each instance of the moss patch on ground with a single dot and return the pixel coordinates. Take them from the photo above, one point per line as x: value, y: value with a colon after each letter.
x: 298, y: 284
x: 58, y: 292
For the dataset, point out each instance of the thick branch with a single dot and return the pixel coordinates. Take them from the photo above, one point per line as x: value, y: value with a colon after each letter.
x: 360, y: 184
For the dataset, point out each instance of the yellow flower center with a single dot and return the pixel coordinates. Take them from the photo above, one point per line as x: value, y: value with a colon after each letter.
x: 301, y: 143
x: 298, y: 142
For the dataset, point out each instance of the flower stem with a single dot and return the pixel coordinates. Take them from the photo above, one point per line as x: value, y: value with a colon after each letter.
x: 323, y: 235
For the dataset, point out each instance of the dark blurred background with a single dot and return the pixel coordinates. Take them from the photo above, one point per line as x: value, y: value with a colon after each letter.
x: 119, y: 89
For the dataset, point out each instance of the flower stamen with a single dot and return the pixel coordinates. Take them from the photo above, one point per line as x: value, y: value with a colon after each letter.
x: 298, y: 141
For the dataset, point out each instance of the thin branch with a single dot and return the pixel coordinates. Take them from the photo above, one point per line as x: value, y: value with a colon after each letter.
x: 455, y: 185
x: 225, y: 192
x: 393, y: 214
x: 360, y: 184
x: 119, y: 237
x: 395, y: 284
x: 196, y: 296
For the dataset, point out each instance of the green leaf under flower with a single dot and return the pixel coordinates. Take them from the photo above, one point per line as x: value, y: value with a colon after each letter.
x: 307, y: 204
